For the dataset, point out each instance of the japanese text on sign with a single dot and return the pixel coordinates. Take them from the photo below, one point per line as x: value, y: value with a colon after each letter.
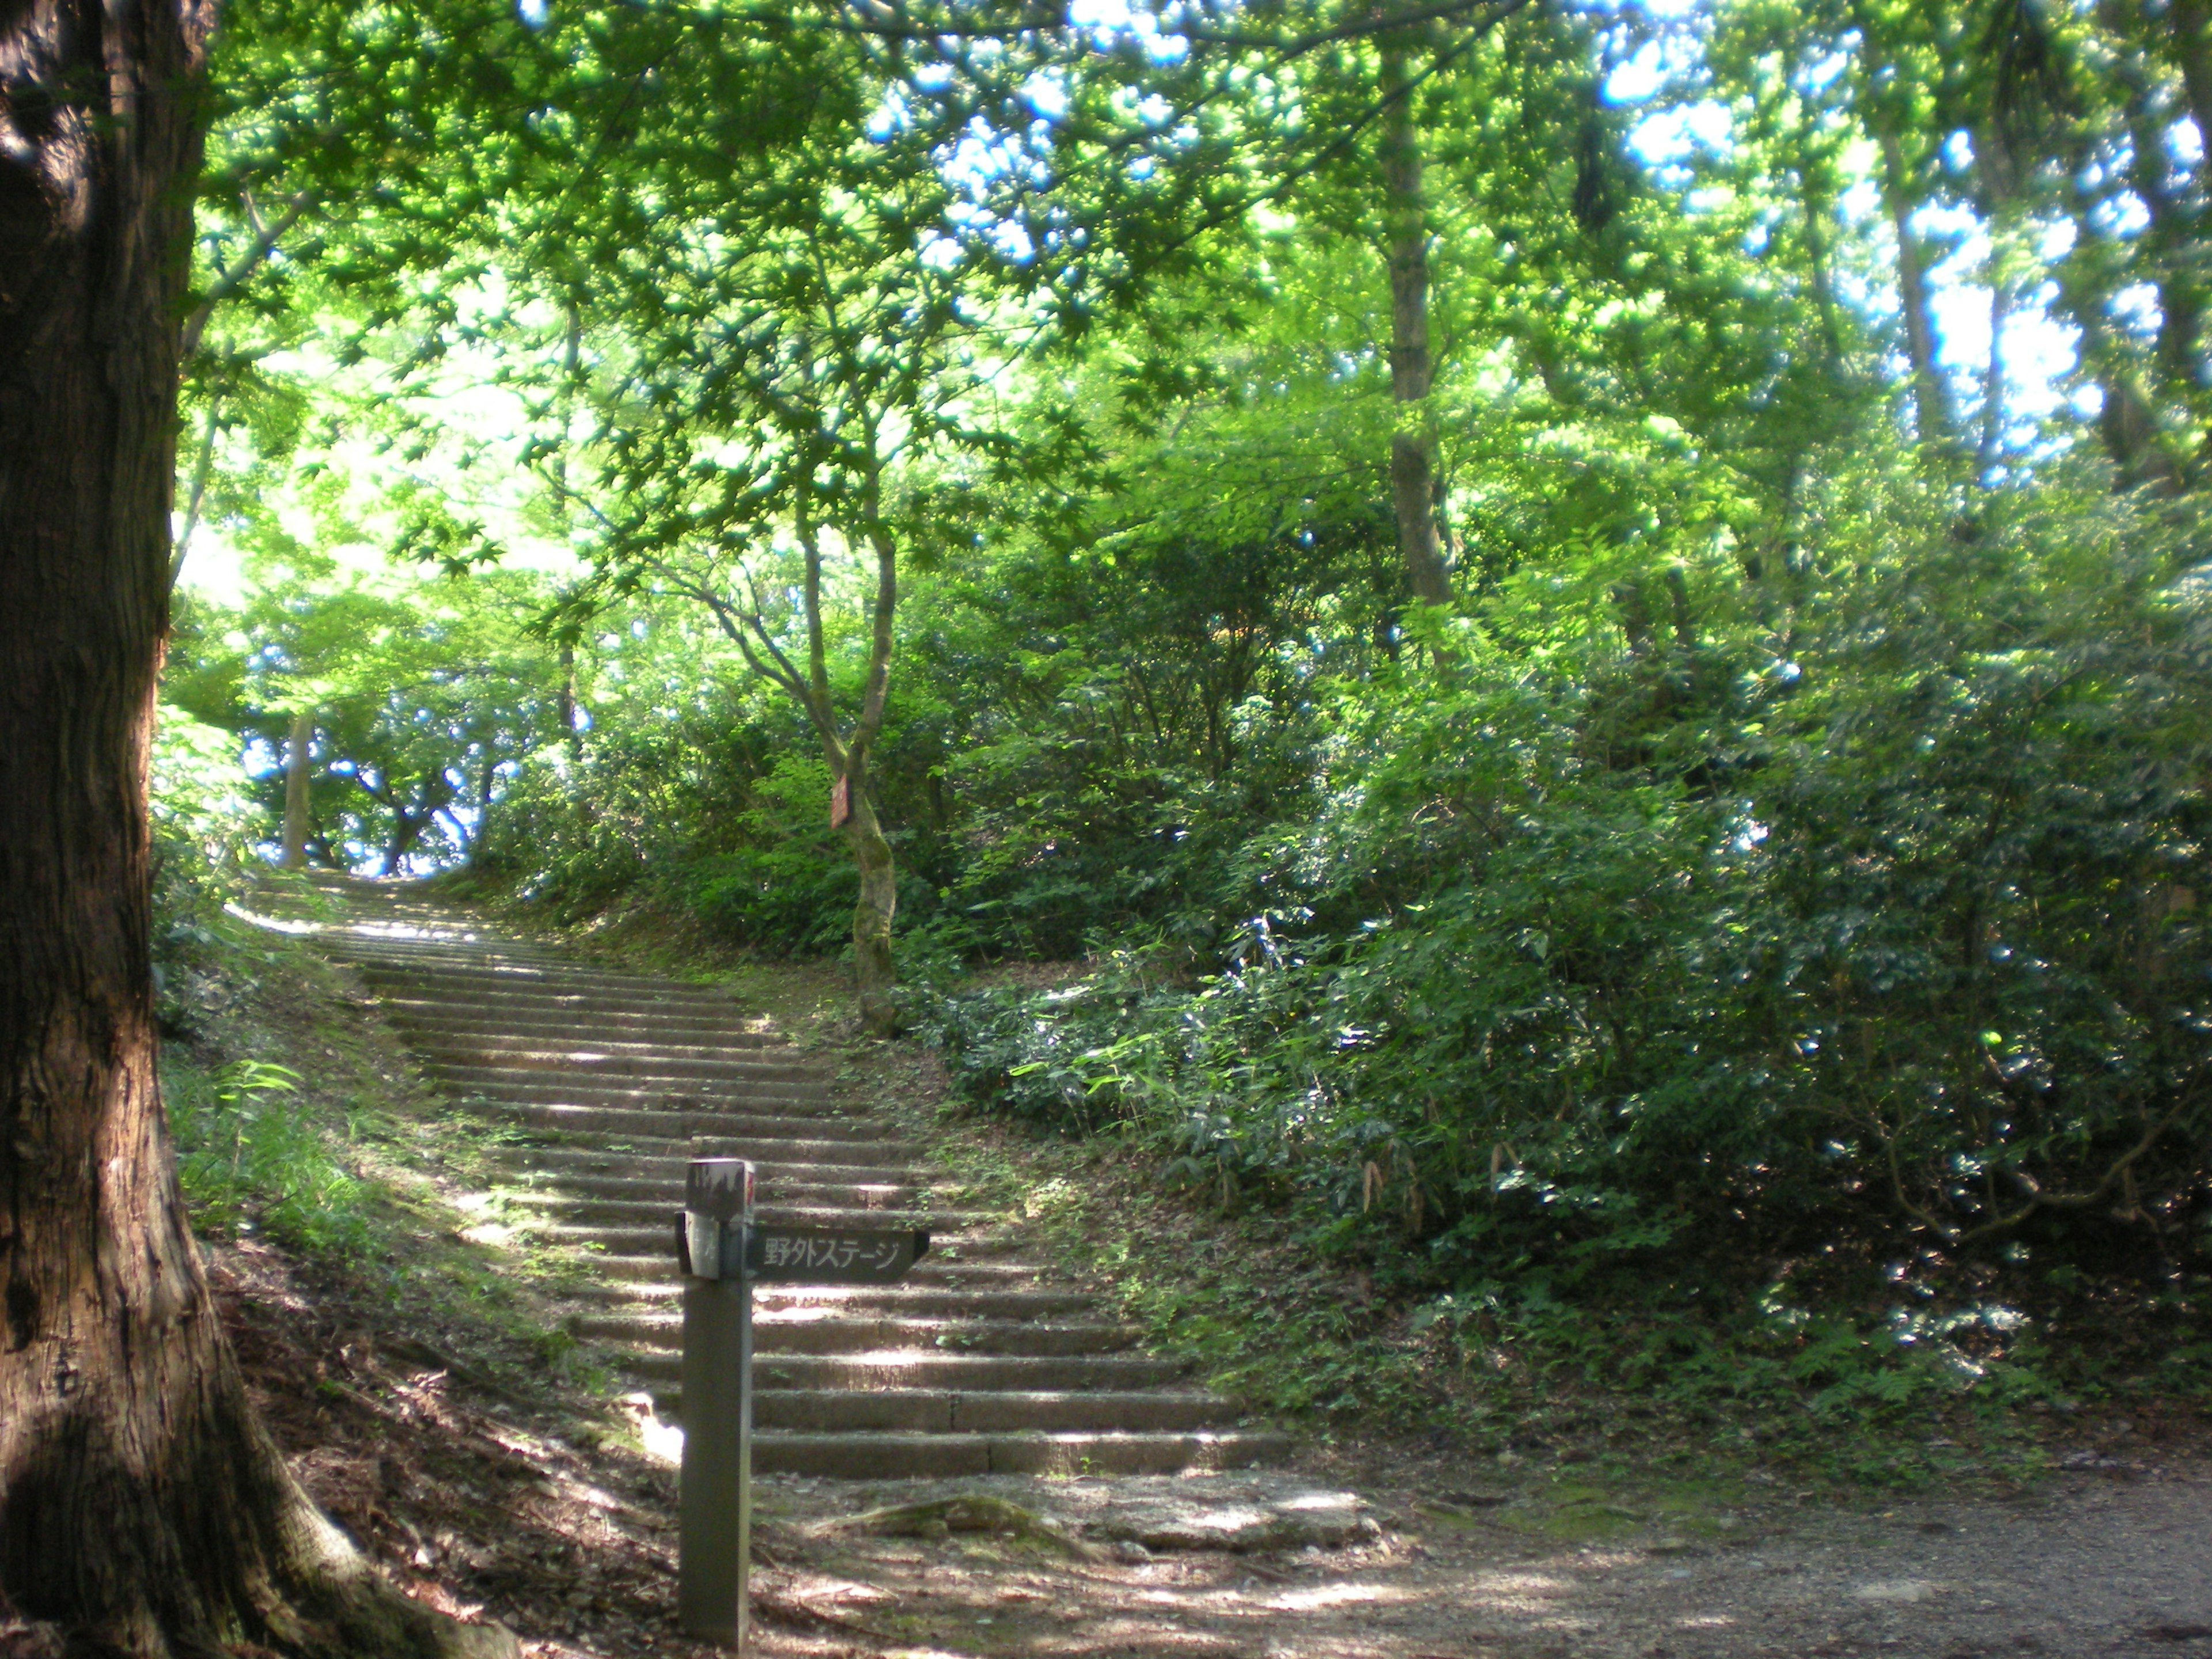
x: 831, y: 1255
x: 876, y: 1250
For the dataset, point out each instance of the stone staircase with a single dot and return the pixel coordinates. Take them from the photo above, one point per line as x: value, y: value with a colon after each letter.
x: 607, y: 1083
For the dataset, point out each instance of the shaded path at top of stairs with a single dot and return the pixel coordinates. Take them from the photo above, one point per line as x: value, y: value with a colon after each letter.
x: 604, y: 1083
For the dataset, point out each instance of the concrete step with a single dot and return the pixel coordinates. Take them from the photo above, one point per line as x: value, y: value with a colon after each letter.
x: 944, y: 1411
x: 653, y: 1284
x: 944, y: 1456
x: 732, y: 1135
x: 674, y: 1067
x: 582, y: 1020
x: 592, y: 1084
x: 807, y: 1330
x: 565, y: 1164
x: 1097, y: 1375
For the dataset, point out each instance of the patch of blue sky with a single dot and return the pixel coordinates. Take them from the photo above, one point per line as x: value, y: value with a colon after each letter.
x: 2038, y: 355
x: 1113, y: 21
x: 2184, y: 146
x: 1668, y: 140
x: 1045, y: 92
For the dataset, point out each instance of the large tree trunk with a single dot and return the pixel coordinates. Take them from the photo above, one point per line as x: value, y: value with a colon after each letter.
x: 142, y: 1505
x: 1413, y: 439
x: 872, y: 972
x: 296, y: 788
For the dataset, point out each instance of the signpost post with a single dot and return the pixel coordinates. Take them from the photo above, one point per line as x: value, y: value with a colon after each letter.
x: 724, y: 1254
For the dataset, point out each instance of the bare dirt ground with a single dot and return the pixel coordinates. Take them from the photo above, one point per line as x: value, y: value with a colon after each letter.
x: 2106, y: 1561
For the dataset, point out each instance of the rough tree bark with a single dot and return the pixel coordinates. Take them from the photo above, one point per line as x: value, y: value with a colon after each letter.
x: 143, y: 1507
x: 1413, y: 439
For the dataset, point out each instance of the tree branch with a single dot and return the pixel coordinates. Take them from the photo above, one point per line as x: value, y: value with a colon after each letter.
x: 226, y: 282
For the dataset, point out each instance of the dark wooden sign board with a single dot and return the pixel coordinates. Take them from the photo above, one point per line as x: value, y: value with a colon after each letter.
x: 724, y: 1253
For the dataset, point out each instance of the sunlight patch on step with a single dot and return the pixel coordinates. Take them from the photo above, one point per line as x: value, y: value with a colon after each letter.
x: 274, y: 924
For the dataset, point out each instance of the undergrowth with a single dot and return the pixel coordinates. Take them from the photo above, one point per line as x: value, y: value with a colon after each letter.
x: 1272, y: 1310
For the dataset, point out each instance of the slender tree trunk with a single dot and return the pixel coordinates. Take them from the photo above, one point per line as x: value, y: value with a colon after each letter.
x: 872, y: 971
x: 1413, y: 471
x: 296, y: 755
x: 1931, y: 399
x: 143, y: 1507
x: 571, y: 733
x: 201, y: 469
x: 1993, y: 377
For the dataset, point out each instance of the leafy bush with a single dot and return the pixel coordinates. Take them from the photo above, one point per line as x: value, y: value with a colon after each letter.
x: 1698, y: 954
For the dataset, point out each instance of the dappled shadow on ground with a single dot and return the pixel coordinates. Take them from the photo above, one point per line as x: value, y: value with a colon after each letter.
x: 2111, y: 1561
x: 486, y: 1500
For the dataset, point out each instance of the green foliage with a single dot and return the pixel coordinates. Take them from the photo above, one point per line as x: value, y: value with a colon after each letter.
x: 252, y: 1158
x: 1598, y: 967
x: 205, y: 825
x: 1782, y: 861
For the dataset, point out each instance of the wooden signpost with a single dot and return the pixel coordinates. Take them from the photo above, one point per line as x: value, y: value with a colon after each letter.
x: 725, y: 1254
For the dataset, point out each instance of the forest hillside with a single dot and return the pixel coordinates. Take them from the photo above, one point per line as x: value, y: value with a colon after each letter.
x: 1564, y: 649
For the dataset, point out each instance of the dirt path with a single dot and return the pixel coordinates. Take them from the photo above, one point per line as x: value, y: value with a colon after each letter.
x: 2114, y: 1561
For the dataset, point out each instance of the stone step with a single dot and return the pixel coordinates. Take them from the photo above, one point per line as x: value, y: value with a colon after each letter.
x: 776, y: 1187
x: 406, y: 940
x: 791, y: 1151
x: 806, y: 1330
x: 945, y: 1456
x: 549, y: 1001
x: 662, y: 1066
x: 735, y: 1134
x: 653, y: 1284
x: 571, y: 1163
x: 553, y: 1046
x: 770, y: 1210
x: 945, y: 1411
x: 1098, y: 1375
x: 647, y: 1243
x: 582, y: 1020
x: 429, y: 966
x: 598, y: 1086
